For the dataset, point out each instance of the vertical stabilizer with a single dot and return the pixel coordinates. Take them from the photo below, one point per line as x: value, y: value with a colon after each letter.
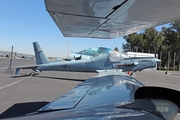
x: 39, y: 54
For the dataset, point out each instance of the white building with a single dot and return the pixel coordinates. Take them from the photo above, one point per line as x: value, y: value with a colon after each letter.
x: 138, y: 54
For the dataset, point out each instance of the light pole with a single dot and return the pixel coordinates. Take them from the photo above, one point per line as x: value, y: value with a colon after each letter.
x: 168, y: 59
x: 174, y: 61
x: 68, y: 49
x: 160, y: 57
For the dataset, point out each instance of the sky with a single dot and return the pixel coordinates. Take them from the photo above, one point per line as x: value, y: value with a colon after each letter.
x: 23, y: 22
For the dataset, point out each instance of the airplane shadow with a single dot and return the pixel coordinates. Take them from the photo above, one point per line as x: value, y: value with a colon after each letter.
x: 175, y: 74
x: 58, y: 78
x: 55, y: 78
x: 22, y: 75
x: 21, y: 109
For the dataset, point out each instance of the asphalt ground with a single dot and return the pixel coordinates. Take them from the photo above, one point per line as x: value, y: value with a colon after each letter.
x: 20, y: 94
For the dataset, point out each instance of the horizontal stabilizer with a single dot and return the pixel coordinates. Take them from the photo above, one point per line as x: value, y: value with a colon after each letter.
x: 17, y: 71
x: 33, y: 67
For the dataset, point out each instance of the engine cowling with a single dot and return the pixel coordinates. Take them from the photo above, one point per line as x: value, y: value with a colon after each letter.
x: 114, y: 56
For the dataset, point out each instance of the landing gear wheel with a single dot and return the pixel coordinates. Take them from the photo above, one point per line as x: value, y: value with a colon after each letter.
x: 131, y: 74
x: 31, y: 74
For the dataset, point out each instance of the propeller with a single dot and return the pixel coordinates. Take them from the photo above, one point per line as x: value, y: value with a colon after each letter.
x: 78, y: 58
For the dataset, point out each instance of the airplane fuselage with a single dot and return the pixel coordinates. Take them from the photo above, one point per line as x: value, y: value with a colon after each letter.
x: 99, y: 63
x: 90, y: 65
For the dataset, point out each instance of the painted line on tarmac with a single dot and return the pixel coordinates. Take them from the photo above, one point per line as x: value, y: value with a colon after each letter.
x: 13, y: 67
x: 4, y: 68
x: 14, y: 83
x: 4, y: 61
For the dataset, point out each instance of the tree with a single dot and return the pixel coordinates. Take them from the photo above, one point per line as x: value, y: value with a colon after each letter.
x: 116, y: 49
x: 152, y: 38
x: 144, y: 41
x: 131, y: 41
x: 167, y: 40
x: 172, y: 41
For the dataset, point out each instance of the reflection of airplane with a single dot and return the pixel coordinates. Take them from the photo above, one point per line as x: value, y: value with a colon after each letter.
x: 103, y: 62
x: 111, y: 95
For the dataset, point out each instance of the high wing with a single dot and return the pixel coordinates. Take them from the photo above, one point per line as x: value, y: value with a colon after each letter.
x: 110, y: 18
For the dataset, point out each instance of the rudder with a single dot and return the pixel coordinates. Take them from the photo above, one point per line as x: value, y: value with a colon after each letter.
x: 39, y: 54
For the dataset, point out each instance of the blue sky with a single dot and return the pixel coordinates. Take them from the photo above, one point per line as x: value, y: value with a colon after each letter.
x: 25, y: 21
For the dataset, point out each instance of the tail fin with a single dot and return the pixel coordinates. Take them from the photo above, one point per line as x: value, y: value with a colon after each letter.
x: 39, y: 54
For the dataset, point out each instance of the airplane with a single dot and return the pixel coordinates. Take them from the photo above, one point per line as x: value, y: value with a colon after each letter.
x: 23, y: 56
x: 3, y: 55
x: 28, y: 56
x: 111, y: 95
x: 112, y: 60
x: 17, y: 55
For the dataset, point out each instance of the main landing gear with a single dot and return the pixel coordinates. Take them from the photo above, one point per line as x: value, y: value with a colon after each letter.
x: 34, y: 73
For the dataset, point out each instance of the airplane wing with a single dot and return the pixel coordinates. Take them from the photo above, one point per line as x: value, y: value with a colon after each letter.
x: 33, y: 67
x: 110, y: 18
x: 93, y: 92
x: 111, y: 95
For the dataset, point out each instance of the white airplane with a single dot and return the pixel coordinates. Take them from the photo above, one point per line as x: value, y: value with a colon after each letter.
x: 112, y: 60
x: 3, y: 55
x: 23, y: 56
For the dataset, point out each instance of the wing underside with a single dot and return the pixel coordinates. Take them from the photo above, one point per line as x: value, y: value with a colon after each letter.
x: 110, y: 18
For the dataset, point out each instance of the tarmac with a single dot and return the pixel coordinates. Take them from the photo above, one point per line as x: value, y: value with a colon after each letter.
x: 24, y: 93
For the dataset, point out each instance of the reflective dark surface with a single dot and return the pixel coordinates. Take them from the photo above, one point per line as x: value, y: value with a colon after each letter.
x: 98, y: 91
x: 108, y: 96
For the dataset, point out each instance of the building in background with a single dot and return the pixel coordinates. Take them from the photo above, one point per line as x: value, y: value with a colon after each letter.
x: 138, y: 54
x: 143, y: 55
